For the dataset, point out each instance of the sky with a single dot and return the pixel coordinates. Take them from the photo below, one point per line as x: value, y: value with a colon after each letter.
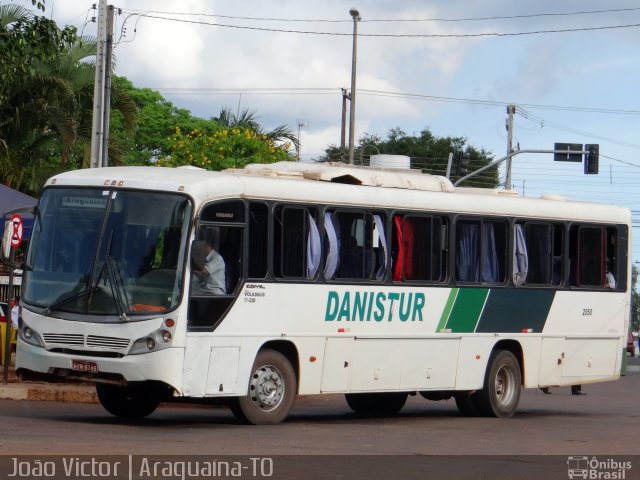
x: 571, y: 67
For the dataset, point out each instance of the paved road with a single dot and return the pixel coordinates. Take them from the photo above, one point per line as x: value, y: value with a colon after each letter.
x: 604, y: 422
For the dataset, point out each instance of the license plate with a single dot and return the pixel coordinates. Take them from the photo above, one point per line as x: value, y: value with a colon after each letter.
x: 84, y: 366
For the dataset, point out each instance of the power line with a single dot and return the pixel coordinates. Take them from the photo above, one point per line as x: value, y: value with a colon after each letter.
x: 383, y: 93
x: 388, y: 20
x: 394, y: 35
x: 557, y: 126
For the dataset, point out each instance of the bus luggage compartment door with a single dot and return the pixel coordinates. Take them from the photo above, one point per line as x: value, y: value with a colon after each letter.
x: 336, y: 369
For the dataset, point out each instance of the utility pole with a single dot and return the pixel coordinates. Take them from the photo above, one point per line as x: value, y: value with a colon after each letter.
x: 300, y: 125
x: 107, y: 87
x: 511, y: 110
x: 352, y: 110
x: 343, y: 131
x: 102, y: 87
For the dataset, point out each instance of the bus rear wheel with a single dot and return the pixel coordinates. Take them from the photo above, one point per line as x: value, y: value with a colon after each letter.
x: 132, y: 401
x: 272, y: 390
x: 500, y: 394
x: 385, y: 404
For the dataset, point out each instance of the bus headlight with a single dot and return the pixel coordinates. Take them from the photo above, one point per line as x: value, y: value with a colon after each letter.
x: 158, y: 340
x: 30, y: 336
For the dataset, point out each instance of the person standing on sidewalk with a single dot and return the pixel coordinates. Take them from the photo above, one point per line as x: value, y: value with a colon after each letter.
x: 15, y: 313
x: 15, y: 318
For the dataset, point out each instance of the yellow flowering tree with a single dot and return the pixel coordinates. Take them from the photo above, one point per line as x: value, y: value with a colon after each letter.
x: 224, y: 147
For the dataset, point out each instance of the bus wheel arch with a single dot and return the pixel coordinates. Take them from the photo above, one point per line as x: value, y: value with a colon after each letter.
x: 272, y: 388
x: 502, y: 386
x: 516, y: 349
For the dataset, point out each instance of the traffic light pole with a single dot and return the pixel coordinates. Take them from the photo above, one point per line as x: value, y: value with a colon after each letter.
x: 513, y: 154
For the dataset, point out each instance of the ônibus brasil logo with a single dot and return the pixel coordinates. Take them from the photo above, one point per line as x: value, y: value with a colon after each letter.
x: 593, y: 468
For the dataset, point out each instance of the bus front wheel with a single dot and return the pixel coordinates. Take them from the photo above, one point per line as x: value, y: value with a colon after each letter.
x: 132, y: 401
x: 272, y: 390
x: 500, y: 394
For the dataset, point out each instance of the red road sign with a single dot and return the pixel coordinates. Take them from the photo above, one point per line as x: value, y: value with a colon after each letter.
x: 16, y: 226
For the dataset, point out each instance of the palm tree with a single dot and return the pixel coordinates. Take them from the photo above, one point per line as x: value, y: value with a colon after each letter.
x: 45, y: 106
x: 246, y: 119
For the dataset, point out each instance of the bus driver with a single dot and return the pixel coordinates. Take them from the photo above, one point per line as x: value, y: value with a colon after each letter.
x: 209, y: 278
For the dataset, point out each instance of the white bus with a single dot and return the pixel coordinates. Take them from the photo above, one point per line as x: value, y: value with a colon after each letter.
x: 327, y: 279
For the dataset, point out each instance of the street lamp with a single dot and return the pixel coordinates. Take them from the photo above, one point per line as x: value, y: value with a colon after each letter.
x: 355, y: 14
x: 300, y: 125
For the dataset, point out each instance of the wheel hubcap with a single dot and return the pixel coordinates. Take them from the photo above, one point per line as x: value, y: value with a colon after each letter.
x: 267, y: 388
x: 504, y: 385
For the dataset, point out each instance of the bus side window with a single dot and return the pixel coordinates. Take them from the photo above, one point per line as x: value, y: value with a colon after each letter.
x: 420, y: 248
x: 481, y: 248
x: 258, y: 240
x: 593, y: 256
x: 468, y: 251
x: 355, y: 233
x: 297, y: 244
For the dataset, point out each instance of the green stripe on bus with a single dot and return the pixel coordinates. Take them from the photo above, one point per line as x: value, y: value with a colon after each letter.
x: 466, y: 309
x: 447, y: 309
x: 515, y: 311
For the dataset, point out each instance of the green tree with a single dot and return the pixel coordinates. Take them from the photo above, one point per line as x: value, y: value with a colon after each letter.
x: 225, y: 147
x: 46, y: 99
x: 154, y: 126
x: 246, y: 120
x: 29, y: 92
x: 427, y: 152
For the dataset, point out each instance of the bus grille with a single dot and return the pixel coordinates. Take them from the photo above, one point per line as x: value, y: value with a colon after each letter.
x: 91, y: 340
x: 70, y: 339
x: 108, y: 342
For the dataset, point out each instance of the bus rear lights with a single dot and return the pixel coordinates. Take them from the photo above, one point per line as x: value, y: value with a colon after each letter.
x: 151, y: 343
x: 170, y: 322
x: 527, y: 330
x: 166, y: 336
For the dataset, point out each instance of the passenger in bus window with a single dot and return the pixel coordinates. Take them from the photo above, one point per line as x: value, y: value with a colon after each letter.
x: 209, y: 277
x: 610, y: 280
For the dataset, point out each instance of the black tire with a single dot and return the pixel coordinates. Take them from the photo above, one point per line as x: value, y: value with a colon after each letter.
x: 272, y: 390
x: 467, y: 403
x: 378, y: 404
x: 132, y: 401
x: 500, y: 394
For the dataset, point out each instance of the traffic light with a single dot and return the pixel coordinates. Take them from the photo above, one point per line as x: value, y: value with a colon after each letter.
x: 462, y: 162
x: 591, y: 159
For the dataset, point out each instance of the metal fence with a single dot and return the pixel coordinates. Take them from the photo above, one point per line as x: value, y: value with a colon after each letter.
x: 4, y: 288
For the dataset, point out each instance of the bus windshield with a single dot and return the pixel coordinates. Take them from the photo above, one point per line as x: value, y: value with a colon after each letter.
x: 107, y: 253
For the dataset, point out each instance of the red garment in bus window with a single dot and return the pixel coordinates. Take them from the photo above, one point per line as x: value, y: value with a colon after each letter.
x: 407, y: 240
x: 397, y: 268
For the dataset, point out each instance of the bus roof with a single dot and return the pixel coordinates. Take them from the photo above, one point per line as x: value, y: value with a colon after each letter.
x: 336, y: 183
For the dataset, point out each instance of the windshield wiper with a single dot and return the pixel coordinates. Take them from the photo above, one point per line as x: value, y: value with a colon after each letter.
x: 87, y: 291
x: 117, y: 287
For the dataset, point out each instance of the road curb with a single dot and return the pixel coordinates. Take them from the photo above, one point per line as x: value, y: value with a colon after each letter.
x: 50, y: 393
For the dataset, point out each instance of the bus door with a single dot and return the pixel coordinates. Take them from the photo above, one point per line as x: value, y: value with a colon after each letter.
x: 216, y: 277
